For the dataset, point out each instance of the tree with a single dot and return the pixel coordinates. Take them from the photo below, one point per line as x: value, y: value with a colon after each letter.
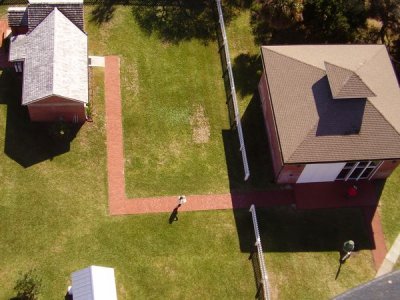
x: 334, y: 20
x: 388, y: 12
x: 277, y: 14
x: 28, y: 286
x: 269, y: 17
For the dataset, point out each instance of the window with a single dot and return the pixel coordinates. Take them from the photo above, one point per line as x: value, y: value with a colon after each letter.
x: 357, y: 170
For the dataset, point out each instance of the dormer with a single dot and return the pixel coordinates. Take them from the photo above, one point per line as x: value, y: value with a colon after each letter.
x: 346, y: 84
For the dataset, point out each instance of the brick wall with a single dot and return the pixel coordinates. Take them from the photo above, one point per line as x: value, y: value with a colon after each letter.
x: 290, y: 173
x: 55, y: 108
x: 269, y: 121
x: 386, y: 169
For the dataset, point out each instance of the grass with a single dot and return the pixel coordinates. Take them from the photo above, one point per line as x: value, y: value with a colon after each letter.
x: 174, y: 112
x: 53, y: 214
x: 54, y: 218
x: 175, y: 119
x: 299, y: 244
x: 390, y: 210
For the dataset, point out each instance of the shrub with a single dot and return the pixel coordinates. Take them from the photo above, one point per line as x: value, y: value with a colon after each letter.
x: 28, y: 286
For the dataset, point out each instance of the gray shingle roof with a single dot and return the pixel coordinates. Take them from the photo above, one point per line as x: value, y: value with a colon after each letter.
x: 314, y: 127
x: 17, y: 16
x: 384, y: 287
x: 17, y: 47
x: 56, y: 60
x: 38, y: 11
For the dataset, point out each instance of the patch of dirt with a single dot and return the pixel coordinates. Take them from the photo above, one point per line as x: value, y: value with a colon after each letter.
x: 200, y: 126
x: 130, y: 78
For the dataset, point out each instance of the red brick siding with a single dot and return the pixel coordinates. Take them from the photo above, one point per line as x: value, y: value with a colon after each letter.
x: 56, y: 108
x: 269, y: 122
x: 386, y: 169
x: 290, y: 173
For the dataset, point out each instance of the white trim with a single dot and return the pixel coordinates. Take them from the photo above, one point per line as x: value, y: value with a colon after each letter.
x: 55, y: 1
x: 375, y: 170
x: 351, y: 171
x: 71, y: 103
x: 16, y: 9
x: 326, y: 172
x: 363, y: 171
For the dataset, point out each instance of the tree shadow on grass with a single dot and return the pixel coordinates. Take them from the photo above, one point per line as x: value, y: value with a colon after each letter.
x: 103, y: 12
x: 247, y: 71
x: 177, y: 20
x: 26, y: 142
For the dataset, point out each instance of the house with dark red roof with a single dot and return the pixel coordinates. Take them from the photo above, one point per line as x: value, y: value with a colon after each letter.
x: 49, y: 47
x: 331, y: 112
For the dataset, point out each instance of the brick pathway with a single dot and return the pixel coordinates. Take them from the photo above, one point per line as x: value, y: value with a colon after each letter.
x: 373, y: 222
x: 119, y: 204
x: 4, y: 63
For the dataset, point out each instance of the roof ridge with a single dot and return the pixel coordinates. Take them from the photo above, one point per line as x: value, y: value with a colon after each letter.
x: 314, y: 128
x: 367, y: 61
x: 383, y: 48
x: 353, y: 75
x: 306, y: 64
x: 358, y: 77
x: 295, y: 59
x: 302, y: 142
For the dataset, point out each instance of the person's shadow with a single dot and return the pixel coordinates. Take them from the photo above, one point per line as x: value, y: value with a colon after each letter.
x: 174, y: 215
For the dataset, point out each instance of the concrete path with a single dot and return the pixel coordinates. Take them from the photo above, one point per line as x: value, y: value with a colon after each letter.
x: 391, y: 258
x: 96, y: 61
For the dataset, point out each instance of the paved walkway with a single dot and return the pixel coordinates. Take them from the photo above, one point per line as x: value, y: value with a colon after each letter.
x: 391, y: 258
x: 119, y: 204
x: 4, y: 63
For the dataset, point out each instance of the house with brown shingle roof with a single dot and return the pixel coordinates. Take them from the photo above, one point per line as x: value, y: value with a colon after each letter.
x: 331, y: 112
x: 48, y: 45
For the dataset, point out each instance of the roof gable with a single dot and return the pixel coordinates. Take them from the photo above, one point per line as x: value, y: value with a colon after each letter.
x: 39, y: 10
x: 52, y: 66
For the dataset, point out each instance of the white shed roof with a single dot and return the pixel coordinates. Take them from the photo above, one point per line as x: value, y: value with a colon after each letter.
x: 94, y: 283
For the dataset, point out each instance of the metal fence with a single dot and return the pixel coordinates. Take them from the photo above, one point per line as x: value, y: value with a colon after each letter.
x: 261, y: 276
x: 106, y: 2
x: 231, y: 91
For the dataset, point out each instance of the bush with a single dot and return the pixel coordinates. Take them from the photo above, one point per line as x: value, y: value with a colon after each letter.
x: 28, y: 286
x: 60, y: 131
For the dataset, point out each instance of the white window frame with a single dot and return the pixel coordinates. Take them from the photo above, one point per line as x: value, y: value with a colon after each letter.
x: 360, y: 175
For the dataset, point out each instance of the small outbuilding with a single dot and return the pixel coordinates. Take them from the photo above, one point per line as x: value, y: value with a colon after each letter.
x: 49, y: 47
x: 94, y: 283
x: 331, y: 112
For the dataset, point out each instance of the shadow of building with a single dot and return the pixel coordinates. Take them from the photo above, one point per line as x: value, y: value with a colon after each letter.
x: 26, y: 142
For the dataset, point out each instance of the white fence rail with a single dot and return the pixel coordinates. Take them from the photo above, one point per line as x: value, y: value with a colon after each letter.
x: 233, y: 91
x: 264, y: 276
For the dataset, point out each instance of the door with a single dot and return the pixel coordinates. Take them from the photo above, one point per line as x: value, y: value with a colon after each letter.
x: 320, y: 172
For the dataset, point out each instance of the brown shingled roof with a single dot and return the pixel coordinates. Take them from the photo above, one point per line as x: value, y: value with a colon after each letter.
x: 314, y: 127
x: 345, y: 83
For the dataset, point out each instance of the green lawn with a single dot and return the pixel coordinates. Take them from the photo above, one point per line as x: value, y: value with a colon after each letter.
x: 54, y: 217
x: 175, y: 119
x: 390, y: 209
